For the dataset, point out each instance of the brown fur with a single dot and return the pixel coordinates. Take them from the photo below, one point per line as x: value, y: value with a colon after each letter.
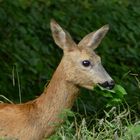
x: 39, y: 118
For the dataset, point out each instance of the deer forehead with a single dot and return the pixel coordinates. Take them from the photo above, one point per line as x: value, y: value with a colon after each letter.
x: 90, y: 55
x: 84, y: 54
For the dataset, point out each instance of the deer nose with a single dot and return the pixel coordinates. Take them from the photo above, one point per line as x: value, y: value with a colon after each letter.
x: 108, y: 84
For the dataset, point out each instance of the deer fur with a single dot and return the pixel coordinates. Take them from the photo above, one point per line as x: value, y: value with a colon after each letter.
x: 39, y: 118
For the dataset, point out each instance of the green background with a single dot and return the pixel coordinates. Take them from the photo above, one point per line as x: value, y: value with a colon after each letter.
x: 29, y: 56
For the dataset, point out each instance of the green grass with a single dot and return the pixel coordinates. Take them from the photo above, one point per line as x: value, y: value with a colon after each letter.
x: 115, y: 125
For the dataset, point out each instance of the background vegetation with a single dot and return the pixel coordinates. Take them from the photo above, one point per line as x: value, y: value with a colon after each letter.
x: 28, y: 55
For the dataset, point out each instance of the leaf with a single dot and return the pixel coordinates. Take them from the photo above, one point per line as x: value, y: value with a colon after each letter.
x: 115, y: 96
x: 119, y: 88
x: 113, y: 102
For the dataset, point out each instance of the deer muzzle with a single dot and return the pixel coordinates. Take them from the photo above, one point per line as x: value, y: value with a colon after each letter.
x: 108, y: 84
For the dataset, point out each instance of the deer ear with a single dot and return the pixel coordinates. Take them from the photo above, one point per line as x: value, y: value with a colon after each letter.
x: 93, y: 39
x: 61, y: 37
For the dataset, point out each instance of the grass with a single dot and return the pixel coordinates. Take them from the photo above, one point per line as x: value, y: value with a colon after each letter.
x: 115, y: 125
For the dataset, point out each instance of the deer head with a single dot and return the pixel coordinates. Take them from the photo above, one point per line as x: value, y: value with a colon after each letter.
x: 82, y: 66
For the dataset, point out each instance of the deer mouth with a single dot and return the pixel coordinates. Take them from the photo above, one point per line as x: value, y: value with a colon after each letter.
x: 108, y: 84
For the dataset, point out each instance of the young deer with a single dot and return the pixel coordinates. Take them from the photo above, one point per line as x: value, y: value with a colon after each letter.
x: 79, y: 67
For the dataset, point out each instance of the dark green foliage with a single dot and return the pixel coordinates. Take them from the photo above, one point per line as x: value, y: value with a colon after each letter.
x: 28, y: 52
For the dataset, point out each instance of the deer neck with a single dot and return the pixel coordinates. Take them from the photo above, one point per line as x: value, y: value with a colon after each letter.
x: 59, y: 93
x: 57, y: 96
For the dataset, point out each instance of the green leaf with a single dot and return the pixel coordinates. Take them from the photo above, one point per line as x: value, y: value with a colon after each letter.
x: 119, y: 88
x: 114, y: 96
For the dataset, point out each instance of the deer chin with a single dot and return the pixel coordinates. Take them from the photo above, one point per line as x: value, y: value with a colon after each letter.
x: 90, y: 87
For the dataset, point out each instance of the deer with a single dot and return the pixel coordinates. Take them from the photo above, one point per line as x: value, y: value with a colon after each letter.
x: 79, y: 67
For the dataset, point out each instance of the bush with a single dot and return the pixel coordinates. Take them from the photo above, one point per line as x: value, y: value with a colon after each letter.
x: 28, y: 55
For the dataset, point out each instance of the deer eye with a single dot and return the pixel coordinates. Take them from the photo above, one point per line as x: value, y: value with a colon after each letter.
x: 86, y: 63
